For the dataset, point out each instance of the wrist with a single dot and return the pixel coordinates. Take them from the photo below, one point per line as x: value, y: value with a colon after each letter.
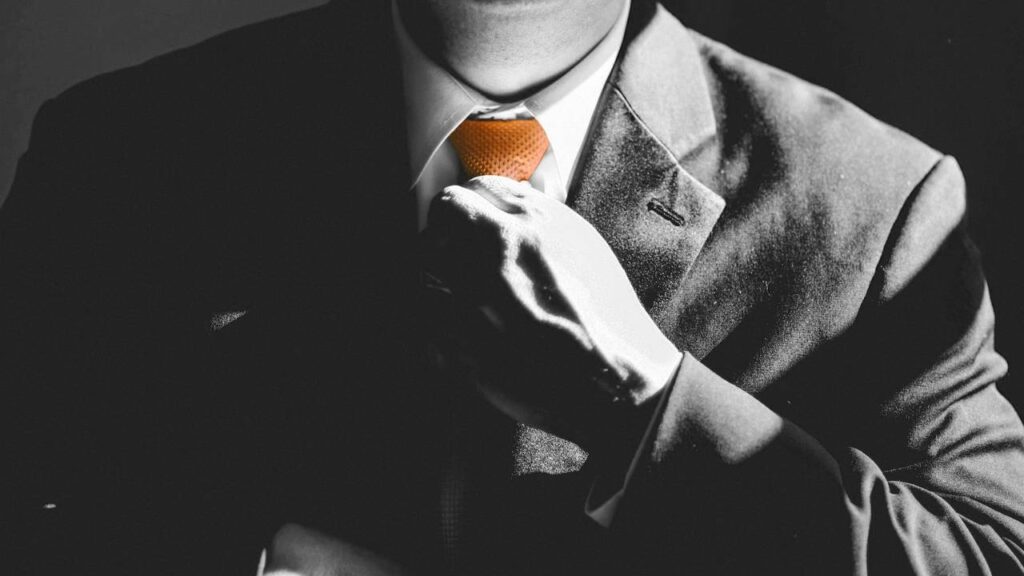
x: 623, y: 444
x: 649, y: 375
x: 632, y: 404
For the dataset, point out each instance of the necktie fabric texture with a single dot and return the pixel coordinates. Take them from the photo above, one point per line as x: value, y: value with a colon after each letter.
x: 510, y: 148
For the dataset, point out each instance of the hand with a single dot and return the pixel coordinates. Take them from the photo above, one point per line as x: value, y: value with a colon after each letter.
x: 297, y: 551
x: 553, y: 333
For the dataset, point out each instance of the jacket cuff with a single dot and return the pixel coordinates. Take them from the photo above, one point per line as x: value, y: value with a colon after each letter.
x: 701, y: 421
x: 710, y: 419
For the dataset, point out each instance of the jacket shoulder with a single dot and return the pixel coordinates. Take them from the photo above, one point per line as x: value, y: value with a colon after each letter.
x: 836, y: 175
x: 808, y: 125
x: 231, y: 73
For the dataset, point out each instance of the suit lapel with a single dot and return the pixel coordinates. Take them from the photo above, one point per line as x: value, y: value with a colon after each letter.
x: 654, y: 214
x: 630, y: 185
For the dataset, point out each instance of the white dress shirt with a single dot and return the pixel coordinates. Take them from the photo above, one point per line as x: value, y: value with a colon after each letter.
x: 436, y: 103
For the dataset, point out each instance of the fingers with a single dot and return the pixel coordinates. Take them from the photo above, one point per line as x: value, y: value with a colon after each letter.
x: 470, y: 229
x: 465, y: 233
x: 506, y: 197
x: 476, y: 204
x: 505, y: 193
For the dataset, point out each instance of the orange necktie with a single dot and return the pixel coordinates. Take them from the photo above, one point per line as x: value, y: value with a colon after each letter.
x: 511, y: 148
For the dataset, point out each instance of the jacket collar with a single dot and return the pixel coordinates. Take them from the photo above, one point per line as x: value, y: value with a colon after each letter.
x: 661, y: 76
x: 657, y: 109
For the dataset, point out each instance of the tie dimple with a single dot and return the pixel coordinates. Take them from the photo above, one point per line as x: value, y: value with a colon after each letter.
x: 511, y: 148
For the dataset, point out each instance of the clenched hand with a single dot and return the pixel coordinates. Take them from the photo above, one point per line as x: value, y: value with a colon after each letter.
x: 551, y: 331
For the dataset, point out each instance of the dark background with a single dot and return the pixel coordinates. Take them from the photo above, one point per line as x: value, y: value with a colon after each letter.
x: 949, y: 72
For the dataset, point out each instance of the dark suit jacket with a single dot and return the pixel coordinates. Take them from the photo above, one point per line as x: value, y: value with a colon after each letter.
x: 211, y: 324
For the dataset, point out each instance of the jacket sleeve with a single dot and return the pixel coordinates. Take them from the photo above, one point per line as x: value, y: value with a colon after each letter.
x: 728, y: 485
x: 103, y: 398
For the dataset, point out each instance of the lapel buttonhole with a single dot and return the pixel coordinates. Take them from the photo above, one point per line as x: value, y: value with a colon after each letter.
x: 661, y: 209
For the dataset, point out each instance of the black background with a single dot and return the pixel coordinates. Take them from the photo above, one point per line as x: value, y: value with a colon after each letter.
x: 949, y: 72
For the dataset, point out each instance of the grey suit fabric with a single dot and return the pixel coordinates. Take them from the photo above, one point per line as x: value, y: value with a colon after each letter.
x: 844, y: 416
x: 835, y: 413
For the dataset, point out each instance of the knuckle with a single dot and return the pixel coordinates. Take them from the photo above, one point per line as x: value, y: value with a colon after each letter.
x: 530, y: 236
x: 532, y: 210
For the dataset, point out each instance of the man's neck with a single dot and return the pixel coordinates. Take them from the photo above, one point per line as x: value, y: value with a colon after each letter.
x: 506, y: 49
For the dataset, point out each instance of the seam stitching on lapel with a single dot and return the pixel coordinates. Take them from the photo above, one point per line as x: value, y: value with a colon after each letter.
x: 643, y: 124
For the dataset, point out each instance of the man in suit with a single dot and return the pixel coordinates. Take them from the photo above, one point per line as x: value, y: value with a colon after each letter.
x: 491, y: 287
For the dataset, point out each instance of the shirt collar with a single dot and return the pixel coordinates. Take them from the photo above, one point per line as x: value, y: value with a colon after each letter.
x: 436, y: 102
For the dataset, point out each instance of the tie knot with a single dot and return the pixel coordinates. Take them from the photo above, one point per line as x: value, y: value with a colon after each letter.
x: 511, y: 148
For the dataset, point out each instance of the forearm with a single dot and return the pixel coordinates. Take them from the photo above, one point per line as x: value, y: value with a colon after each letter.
x: 730, y: 486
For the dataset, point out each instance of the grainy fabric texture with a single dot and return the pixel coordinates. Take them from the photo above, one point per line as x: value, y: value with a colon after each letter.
x: 510, y: 148
x: 212, y: 326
